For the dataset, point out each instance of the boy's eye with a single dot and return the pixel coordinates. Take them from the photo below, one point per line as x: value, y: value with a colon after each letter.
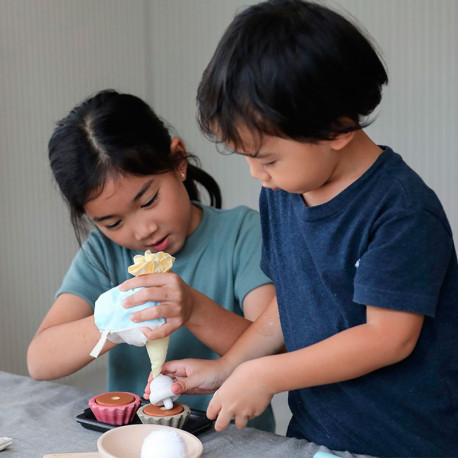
x: 268, y: 164
x: 151, y: 201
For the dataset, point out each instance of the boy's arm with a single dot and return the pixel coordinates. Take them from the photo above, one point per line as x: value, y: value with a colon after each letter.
x: 387, y: 337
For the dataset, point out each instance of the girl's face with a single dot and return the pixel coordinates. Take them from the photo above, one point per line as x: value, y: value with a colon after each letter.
x: 151, y: 212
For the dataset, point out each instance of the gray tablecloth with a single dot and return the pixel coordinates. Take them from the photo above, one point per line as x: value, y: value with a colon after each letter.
x: 40, y: 418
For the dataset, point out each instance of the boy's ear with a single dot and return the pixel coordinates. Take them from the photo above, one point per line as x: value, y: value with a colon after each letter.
x: 342, y: 140
x: 177, y: 148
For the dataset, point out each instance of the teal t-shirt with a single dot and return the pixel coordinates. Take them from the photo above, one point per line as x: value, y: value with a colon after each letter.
x: 221, y: 259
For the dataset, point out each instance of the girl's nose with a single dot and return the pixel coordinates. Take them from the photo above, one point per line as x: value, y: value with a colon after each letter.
x: 144, y: 228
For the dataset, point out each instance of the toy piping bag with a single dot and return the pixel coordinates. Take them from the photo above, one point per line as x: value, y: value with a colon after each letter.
x: 160, y: 386
x: 113, y: 320
x: 147, y: 264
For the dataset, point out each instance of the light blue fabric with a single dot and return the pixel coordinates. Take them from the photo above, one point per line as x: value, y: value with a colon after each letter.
x: 110, y: 315
x: 220, y: 259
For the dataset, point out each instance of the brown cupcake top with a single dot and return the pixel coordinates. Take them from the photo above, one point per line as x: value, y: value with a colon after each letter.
x: 115, y: 398
x: 161, y: 411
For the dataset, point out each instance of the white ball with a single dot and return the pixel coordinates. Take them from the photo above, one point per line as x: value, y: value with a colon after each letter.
x: 164, y: 443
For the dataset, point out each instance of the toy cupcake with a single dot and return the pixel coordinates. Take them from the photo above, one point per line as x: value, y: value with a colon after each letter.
x: 163, y: 410
x: 159, y: 415
x: 115, y: 408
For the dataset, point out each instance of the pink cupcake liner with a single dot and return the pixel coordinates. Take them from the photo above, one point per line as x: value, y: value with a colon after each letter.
x: 115, y: 415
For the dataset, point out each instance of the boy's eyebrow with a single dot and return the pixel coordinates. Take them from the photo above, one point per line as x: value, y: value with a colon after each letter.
x: 256, y: 154
x: 139, y: 194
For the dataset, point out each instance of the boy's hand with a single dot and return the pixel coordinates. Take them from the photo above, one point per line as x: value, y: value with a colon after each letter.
x: 196, y: 376
x: 243, y: 396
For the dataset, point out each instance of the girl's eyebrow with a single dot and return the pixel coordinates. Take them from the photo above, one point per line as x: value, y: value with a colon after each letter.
x: 142, y: 190
x: 140, y: 193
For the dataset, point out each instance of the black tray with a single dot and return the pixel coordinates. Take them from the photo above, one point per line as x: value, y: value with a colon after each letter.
x: 195, y: 424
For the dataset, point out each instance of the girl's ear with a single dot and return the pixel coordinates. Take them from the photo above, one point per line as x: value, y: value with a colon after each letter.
x: 342, y: 140
x: 177, y: 148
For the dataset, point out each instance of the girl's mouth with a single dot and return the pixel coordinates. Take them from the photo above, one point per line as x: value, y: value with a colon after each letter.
x: 161, y: 245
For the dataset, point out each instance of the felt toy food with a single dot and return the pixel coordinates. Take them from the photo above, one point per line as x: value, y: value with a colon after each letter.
x: 159, y: 415
x: 115, y: 408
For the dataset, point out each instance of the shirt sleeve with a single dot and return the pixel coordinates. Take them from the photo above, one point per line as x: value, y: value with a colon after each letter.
x: 405, y: 263
x: 87, y: 276
x: 247, y: 257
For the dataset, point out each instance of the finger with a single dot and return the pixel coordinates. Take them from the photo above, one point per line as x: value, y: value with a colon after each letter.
x: 152, y: 294
x: 179, y: 387
x: 214, y: 407
x: 189, y: 385
x: 224, y: 418
x: 147, y: 280
x: 241, y: 421
x: 147, y: 388
x: 175, y: 368
x: 151, y: 313
x: 158, y: 333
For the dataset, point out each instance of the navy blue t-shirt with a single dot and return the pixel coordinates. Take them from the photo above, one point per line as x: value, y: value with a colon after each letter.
x: 384, y: 241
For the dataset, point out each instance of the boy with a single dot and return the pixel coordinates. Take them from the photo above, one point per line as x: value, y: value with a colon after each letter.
x: 359, y: 248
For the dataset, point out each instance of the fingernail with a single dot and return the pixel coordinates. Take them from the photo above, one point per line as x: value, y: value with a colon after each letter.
x: 132, y: 317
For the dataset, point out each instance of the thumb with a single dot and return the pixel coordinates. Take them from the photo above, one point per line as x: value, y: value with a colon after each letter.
x: 179, y: 387
x: 194, y: 384
x: 189, y: 385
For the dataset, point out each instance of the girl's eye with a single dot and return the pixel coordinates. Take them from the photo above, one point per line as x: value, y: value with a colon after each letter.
x: 151, y: 201
x: 268, y: 164
x: 114, y: 225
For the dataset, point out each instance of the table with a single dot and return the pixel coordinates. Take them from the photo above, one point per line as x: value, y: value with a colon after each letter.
x: 40, y: 418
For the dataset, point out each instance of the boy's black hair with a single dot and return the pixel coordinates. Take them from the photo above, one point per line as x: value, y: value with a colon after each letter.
x: 289, y: 68
x: 113, y: 134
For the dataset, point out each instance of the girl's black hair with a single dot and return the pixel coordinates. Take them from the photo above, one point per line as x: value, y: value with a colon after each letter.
x: 110, y: 134
x: 289, y: 68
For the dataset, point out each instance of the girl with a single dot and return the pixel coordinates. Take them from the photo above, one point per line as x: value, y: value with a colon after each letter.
x: 359, y: 248
x: 119, y: 169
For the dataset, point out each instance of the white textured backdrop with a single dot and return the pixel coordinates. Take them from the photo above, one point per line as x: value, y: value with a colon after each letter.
x: 53, y: 53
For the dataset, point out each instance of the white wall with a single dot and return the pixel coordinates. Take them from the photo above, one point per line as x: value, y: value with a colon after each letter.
x: 53, y: 53
x: 417, y: 117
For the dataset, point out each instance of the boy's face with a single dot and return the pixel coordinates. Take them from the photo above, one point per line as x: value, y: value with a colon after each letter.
x: 290, y: 165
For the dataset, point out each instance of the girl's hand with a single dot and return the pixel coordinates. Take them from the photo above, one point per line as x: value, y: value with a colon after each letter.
x: 196, y: 376
x: 147, y: 388
x: 175, y: 296
x: 243, y: 396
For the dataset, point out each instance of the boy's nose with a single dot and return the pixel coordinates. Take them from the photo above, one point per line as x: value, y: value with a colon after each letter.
x: 257, y: 170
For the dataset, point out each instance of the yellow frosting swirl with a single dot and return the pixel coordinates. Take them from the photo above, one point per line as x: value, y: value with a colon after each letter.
x: 159, y: 262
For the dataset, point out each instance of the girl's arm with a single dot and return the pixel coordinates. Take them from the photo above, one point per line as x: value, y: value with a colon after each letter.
x: 182, y: 305
x: 387, y: 337
x: 218, y: 328
x: 62, y: 343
